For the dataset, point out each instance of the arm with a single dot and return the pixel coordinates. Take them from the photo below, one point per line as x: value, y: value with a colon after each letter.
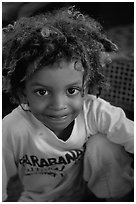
x: 109, y: 163
x: 9, y: 168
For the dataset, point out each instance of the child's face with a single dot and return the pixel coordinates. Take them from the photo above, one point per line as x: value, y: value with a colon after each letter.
x: 54, y: 95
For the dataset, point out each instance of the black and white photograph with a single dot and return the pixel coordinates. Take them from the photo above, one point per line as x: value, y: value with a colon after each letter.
x: 67, y: 101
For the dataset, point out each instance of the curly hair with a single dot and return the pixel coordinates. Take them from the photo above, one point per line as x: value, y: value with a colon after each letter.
x: 63, y: 34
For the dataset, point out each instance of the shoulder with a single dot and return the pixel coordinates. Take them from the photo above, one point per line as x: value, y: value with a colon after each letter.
x: 91, y: 102
x: 99, y: 109
x: 14, y: 117
x: 15, y: 121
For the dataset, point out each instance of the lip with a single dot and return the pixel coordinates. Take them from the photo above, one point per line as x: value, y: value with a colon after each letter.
x: 54, y: 116
x: 57, y: 118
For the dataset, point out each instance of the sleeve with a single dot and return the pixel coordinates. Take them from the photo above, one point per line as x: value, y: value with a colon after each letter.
x: 104, y: 118
x: 9, y: 168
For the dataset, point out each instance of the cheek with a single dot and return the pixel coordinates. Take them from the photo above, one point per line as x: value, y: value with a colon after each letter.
x: 36, y: 105
x: 78, y: 104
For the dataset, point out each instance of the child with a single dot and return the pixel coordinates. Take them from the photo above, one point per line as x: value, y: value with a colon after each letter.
x: 63, y: 143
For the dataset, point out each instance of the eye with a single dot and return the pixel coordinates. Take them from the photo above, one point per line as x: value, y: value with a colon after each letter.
x: 73, y: 91
x: 42, y: 92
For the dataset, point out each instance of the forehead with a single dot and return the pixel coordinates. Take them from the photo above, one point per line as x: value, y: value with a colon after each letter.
x: 75, y: 63
x: 60, y: 73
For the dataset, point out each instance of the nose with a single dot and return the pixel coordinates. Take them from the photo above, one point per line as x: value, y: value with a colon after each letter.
x: 58, y: 103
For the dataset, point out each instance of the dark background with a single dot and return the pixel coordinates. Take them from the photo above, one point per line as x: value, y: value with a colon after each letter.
x: 108, y: 13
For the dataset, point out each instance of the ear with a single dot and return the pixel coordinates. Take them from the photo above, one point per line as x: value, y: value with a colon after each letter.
x: 22, y: 96
x: 84, y: 92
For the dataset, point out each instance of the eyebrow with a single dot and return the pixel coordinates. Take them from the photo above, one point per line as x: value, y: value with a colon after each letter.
x: 42, y: 85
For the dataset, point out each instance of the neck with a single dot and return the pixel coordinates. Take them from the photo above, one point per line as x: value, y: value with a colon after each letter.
x: 65, y: 134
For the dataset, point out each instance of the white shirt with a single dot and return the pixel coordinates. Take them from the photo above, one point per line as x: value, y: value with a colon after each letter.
x: 50, y: 168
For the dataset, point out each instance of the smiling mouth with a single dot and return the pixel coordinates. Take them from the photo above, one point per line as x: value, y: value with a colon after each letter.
x: 57, y: 118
